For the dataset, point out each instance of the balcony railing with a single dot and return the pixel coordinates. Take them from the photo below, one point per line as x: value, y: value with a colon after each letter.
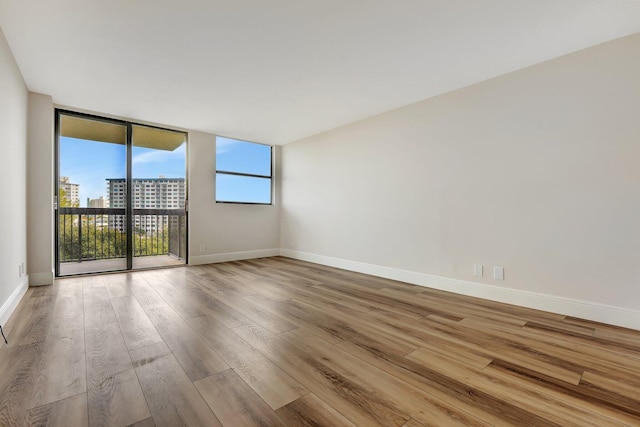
x: 89, y: 234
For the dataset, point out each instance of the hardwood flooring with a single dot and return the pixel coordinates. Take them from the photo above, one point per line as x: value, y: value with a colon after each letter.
x: 280, y: 342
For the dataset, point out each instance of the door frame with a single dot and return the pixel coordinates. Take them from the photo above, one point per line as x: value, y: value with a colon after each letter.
x: 58, y: 112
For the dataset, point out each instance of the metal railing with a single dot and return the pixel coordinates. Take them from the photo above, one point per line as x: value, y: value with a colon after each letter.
x: 89, y: 234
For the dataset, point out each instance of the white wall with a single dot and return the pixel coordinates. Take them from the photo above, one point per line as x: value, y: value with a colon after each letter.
x: 13, y: 166
x: 537, y: 171
x: 227, y: 231
x: 40, y: 161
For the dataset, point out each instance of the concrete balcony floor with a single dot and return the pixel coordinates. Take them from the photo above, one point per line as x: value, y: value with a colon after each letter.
x: 104, y: 265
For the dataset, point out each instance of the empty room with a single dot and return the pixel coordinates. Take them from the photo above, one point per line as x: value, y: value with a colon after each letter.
x: 323, y: 213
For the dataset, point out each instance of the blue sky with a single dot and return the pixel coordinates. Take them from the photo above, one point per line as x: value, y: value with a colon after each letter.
x: 244, y: 157
x: 90, y: 163
x: 239, y: 156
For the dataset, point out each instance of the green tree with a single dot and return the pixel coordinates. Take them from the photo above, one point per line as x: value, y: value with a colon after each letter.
x: 66, y: 230
x: 63, y: 200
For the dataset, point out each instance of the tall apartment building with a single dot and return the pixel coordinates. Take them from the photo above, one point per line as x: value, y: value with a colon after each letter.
x: 148, y: 193
x: 71, y: 190
x: 100, y: 202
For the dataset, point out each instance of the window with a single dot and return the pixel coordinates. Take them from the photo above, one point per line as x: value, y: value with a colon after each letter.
x: 243, y: 172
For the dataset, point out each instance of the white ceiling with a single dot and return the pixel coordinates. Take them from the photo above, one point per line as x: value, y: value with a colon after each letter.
x: 275, y: 71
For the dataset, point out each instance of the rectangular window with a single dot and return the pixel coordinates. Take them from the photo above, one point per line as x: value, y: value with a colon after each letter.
x: 243, y: 172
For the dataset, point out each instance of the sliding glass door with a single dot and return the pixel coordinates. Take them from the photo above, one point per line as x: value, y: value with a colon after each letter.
x: 158, y: 197
x: 121, y: 195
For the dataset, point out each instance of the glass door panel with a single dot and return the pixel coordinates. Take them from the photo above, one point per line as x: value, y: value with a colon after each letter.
x: 158, y: 186
x: 91, y: 195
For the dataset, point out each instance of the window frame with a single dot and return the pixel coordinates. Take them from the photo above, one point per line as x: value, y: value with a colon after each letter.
x: 249, y: 175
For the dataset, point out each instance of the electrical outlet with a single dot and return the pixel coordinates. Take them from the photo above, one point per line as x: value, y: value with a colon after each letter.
x: 203, y: 249
x: 477, y: 270
x: 498, y: 273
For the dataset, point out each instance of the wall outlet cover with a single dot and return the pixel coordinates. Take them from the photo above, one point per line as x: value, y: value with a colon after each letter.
x: 477, y: 270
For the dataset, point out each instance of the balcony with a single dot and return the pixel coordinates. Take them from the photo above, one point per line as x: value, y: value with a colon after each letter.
x: 95, y: 239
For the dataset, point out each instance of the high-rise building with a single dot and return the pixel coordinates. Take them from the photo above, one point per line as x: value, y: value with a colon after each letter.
x: 147, y: 193
x: 71, y: 191
x: 100, y: 202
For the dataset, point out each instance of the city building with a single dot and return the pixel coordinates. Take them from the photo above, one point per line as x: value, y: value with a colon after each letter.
x: 71, y: 191
x: 148, y: 193
x: 100, y: 202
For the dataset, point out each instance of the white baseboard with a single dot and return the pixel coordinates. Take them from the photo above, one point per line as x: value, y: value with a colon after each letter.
x: 14, y: 299
x: 567, y: 306
x: 232, y: 256
x: 41, y: 279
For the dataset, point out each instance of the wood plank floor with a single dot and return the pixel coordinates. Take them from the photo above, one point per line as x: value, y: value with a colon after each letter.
x: 280, y: 342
